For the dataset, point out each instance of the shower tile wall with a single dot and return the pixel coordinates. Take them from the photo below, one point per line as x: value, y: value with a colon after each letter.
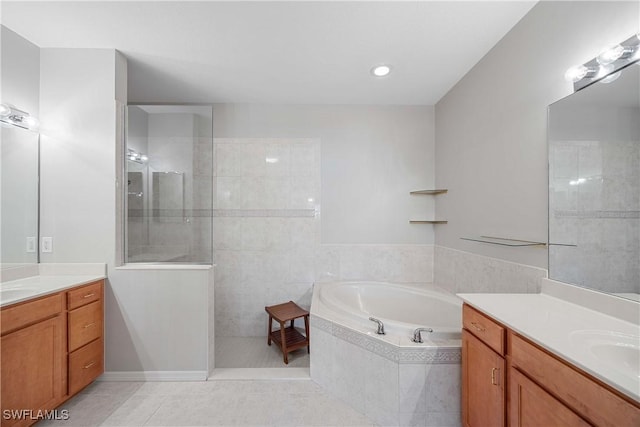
x: 266, y: 226
x: 267, y: 223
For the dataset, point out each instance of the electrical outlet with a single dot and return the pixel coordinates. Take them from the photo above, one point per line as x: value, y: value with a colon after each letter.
x: 31, y: 244
x: 47, y: 244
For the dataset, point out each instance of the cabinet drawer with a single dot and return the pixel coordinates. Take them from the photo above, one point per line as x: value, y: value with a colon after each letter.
x: 84, y: 295
x: 594, y: 401
x: 85, y: 365
x: 21, y: 315
x: 85, y: 325
x: 484, y: 328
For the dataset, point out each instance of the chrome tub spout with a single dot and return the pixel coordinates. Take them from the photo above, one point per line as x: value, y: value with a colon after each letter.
x: 380, y: 330
x: 417, y: 338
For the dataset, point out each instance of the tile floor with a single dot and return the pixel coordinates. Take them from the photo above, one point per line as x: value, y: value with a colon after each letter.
x: 253, y: 352
x: 208, y: 403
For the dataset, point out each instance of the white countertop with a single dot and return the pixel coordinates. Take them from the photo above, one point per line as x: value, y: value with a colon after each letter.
x: 557, y: 325
x: 37, y: 286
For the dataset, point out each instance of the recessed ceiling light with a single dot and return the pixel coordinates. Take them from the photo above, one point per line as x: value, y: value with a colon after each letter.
x: 381, y: 70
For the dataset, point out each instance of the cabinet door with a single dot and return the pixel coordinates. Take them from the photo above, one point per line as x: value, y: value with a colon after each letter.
x: 483, y: 392
x: 33, y: 368
x: 531, y: 406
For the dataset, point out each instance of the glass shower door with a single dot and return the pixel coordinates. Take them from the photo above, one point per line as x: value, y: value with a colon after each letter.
x: 169, y: 170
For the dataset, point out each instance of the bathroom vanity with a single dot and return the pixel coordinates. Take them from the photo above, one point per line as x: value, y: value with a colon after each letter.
x: 535, y: 360
x: 51, y: 340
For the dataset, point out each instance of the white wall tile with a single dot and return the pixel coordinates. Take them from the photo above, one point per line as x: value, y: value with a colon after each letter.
x: 460, y: 271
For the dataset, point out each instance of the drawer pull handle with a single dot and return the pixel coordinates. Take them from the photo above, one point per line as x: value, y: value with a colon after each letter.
x: 89, y: 295
x: 493, y: 376
x: 89, y: 365
x: 478, y: 326
x: 88, y: 325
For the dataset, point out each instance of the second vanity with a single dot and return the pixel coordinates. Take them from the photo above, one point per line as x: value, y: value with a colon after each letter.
x: 51, y: 340
x: 538, y: 360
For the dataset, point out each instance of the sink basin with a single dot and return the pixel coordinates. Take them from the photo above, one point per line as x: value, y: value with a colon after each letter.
x: 619, y: 351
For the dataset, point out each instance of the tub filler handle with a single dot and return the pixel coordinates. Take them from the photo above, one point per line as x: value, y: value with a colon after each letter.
x: 380, y: 330
x: 417, y: 338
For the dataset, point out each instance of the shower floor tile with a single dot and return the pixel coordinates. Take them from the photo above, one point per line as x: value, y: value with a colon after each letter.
x: 253, y: 352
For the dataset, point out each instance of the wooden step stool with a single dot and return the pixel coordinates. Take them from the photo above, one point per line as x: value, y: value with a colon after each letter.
x: 288, y: 339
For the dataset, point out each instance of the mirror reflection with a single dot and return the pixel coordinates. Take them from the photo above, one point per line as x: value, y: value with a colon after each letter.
x: 594, y: 186
x: 19, y: 197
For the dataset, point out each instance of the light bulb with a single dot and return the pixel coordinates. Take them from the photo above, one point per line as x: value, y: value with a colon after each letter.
x: 5, y: 110
x: 604, y: 71
x: 32, y: 122
x: 144, y: 158
x: 381, y: 70
x: 610, y: 78
x: 576, y: 73
x: 610, y: 55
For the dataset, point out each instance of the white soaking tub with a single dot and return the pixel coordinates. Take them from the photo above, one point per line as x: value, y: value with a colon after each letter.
x: 389, y: 378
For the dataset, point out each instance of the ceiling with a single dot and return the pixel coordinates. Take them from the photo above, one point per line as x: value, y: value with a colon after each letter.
x: 295, y: 52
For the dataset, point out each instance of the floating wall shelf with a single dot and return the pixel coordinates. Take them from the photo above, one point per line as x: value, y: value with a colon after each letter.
x: 427, y: 222
x: 503, y: 241
x: 433, y: 192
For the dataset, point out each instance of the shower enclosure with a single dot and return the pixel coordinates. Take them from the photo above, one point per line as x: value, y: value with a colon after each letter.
x: 169, y: 179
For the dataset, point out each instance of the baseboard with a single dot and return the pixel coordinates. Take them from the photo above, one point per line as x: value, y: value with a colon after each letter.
x: 154, y: 376
x: 260, y: 374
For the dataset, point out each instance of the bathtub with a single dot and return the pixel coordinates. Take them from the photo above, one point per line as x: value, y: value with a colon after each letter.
x: 401, y: 308
x: 389, y: 378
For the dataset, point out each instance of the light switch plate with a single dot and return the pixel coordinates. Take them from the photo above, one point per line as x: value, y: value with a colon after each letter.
x: 31, y: 244
x: 47, y: 244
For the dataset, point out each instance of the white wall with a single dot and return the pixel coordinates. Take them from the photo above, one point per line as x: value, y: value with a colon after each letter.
x: 491, y: 145
x: 154, y: 320
x: 78, y: 134
x: 372, y: 156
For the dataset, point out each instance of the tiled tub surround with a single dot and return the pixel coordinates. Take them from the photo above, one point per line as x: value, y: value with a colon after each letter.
x: 267, y: 235
x: 390, y: 379
x: 460, y: 271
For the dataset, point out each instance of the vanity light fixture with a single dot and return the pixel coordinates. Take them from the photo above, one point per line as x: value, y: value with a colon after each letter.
x: 134, y: 156
x: 381, y: 70
x: 604, y: 67
x: 13, y: 116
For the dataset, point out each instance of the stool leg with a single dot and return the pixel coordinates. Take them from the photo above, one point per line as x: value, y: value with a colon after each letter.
x: 306, y: 331
x: 269, y: 330
x: 284, y: 343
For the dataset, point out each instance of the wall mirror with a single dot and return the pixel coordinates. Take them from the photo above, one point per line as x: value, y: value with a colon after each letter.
x: 594, y: 186
x: 19, y: 197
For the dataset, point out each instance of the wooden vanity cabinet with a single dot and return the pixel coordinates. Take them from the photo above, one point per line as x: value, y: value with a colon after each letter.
x: 50, y: 348
x: 33, y: 357
x: 541, y: 389
x: 483, y: 371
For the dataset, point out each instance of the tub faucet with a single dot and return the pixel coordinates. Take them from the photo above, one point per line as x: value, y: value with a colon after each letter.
x: 380, y: 330
x: 417, y: 338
